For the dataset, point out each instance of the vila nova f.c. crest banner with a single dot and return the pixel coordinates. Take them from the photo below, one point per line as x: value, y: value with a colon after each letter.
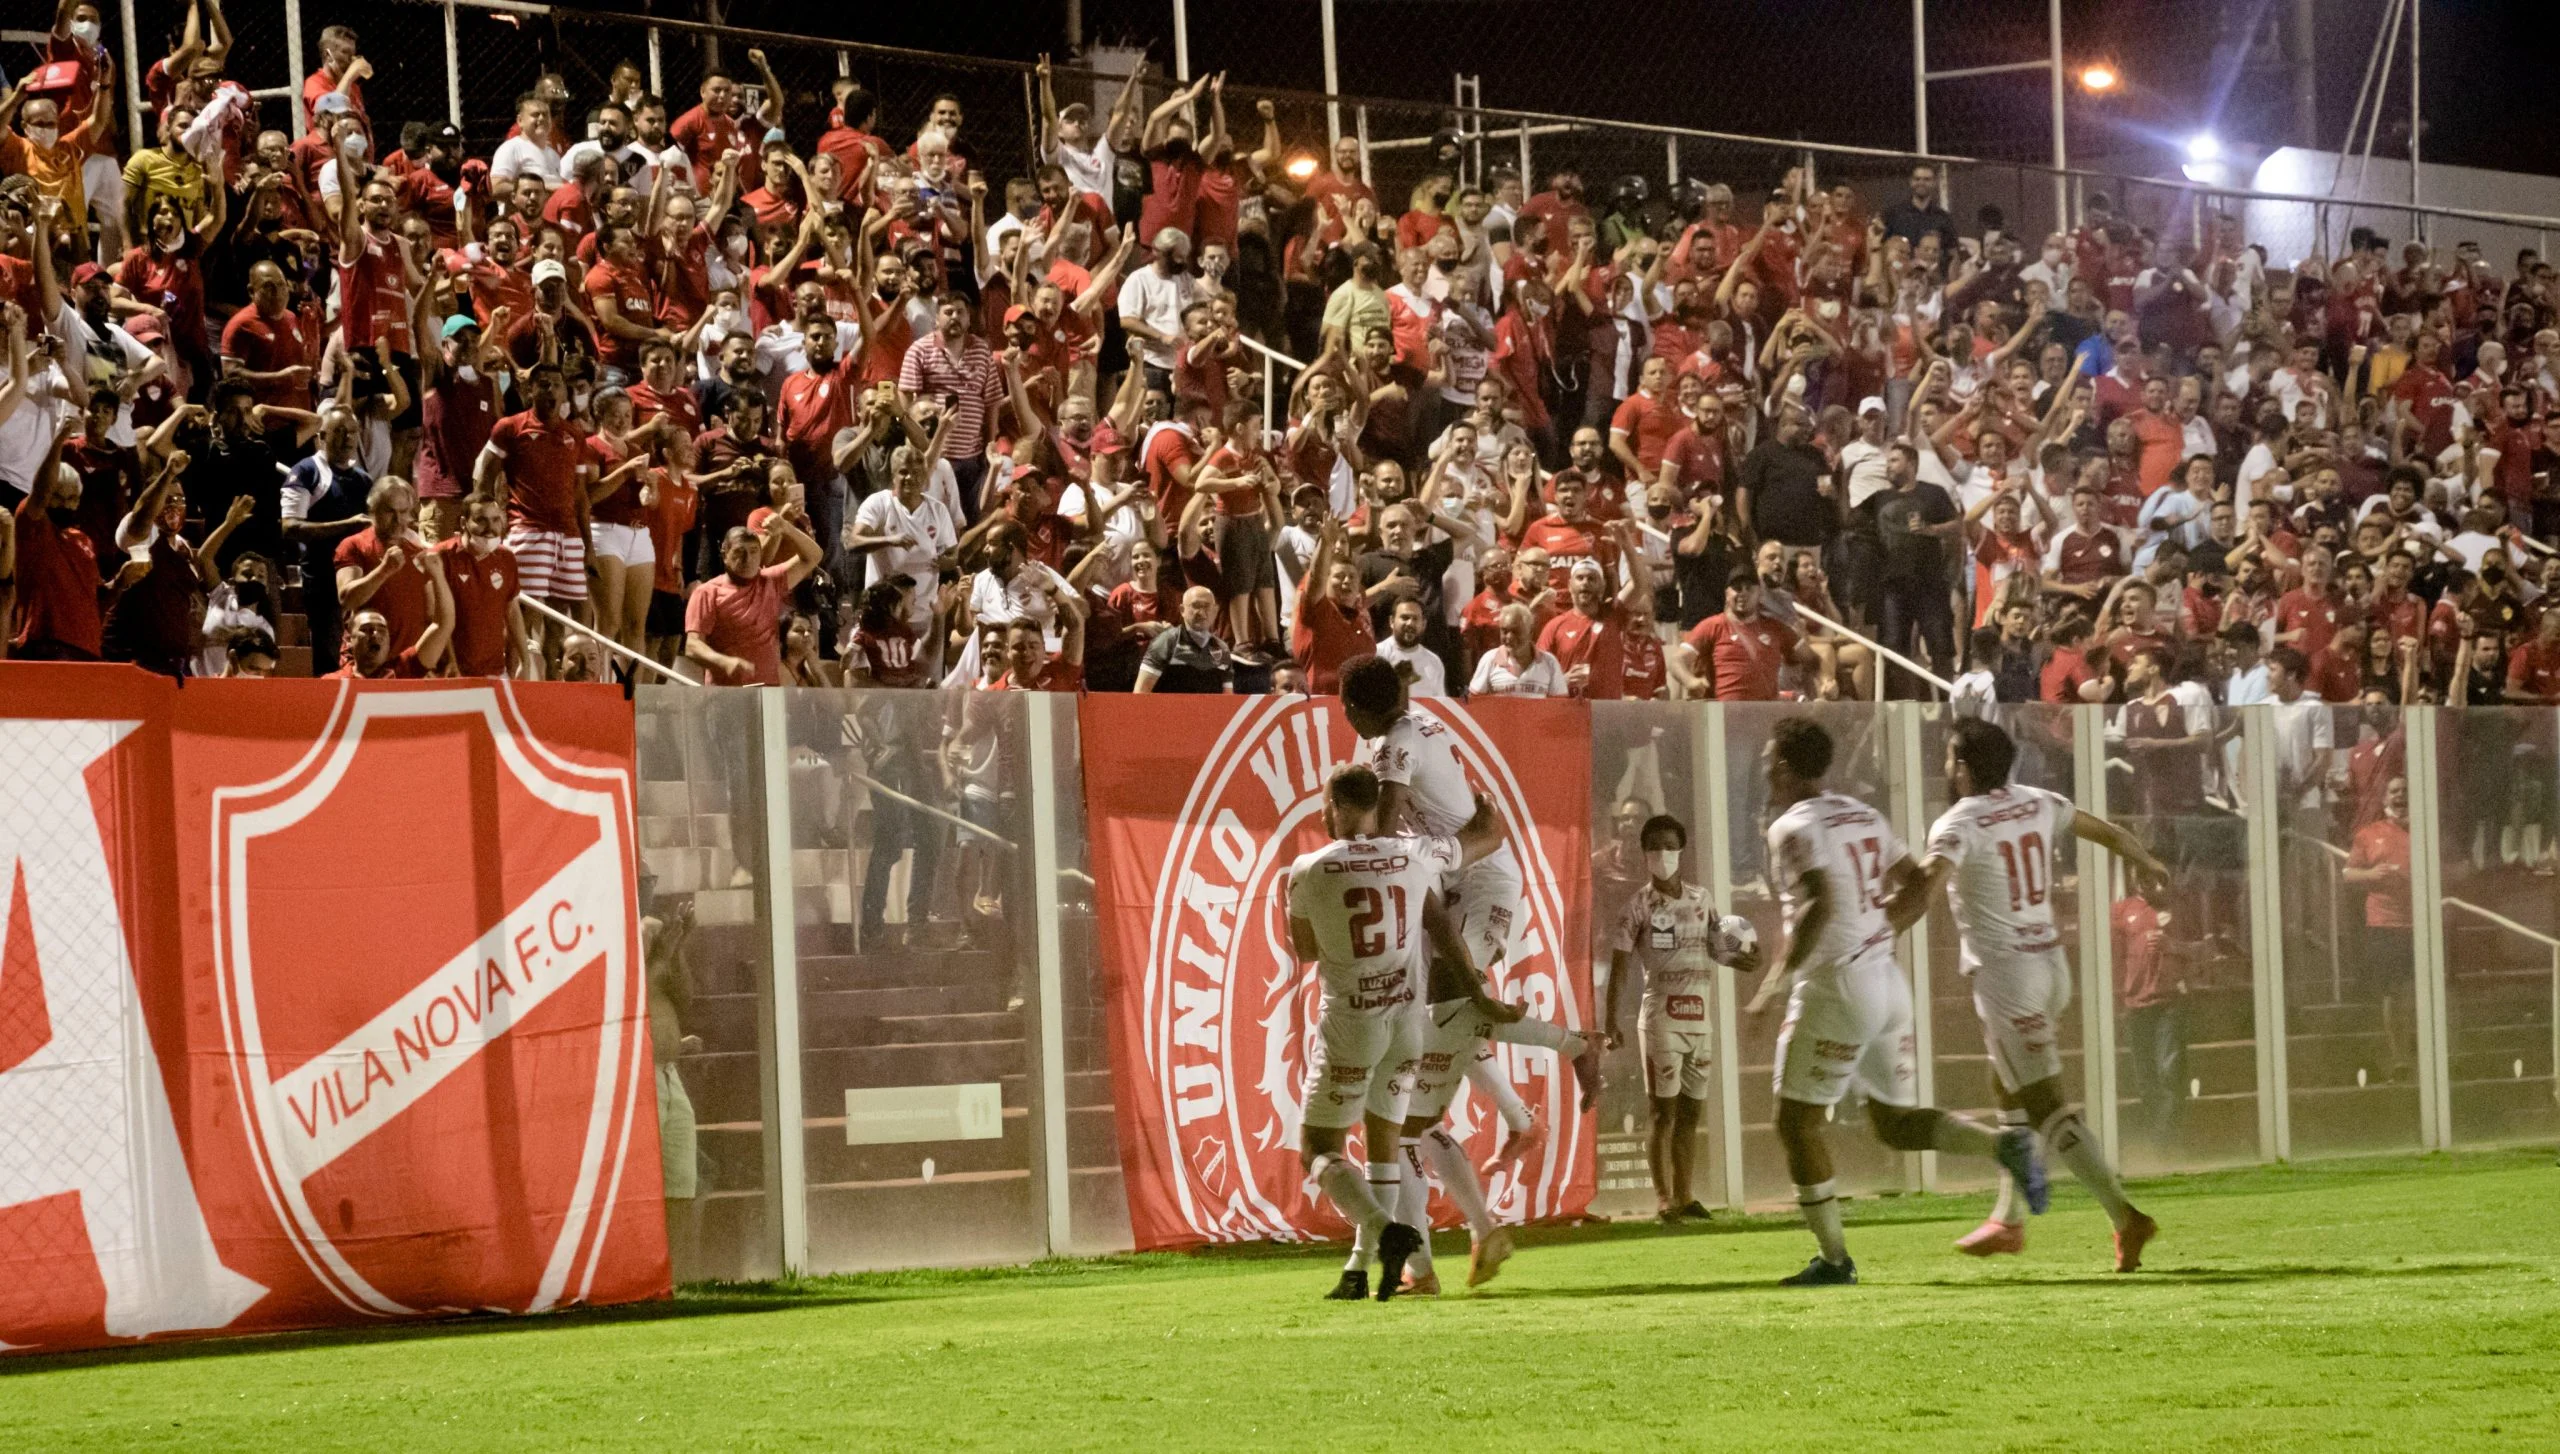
x: 319, y: 1003
x: 1196, y: 806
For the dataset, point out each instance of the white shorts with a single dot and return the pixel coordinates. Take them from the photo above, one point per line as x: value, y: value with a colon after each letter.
x: 676, y: 1135
x: 549, y: 564
x: 102, y: 183
x: 629, y: 544
x: 1484, y: 897
x: 2021, y: 999
x: 1679, y: 1051
x: 1853, y: 1023
x: 1453, y: 1038
x: 1363, y: 1062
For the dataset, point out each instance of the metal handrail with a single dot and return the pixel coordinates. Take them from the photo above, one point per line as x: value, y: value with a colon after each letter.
x: 1270, y: 378
x: 609, y: 644
x: 2546, y: 941
x: 1881, y: 650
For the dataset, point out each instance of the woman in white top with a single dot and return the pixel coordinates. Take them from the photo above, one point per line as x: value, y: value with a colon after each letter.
x: 1517, y: 668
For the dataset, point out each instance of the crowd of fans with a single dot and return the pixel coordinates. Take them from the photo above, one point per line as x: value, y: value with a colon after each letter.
x: 780, y: 396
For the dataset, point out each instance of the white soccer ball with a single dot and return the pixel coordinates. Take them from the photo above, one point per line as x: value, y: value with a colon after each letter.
x: 1735, y: 937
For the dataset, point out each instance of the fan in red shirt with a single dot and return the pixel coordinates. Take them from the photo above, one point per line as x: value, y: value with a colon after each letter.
x: 374, y: 654
x: 815, y: 403
x: 2533, y: 669
x: 1337, y: 193
x: 2068, y: 673
x: 618, y: 292
x: 1570, y: 534
x: 2307, y: 617
x: 1590, y: 640
x: 1332, y: 623
x: 540, y: 464
x: 1646, y: 421
x: 373, y: 267
x: 1737, y: 655
x: 57, y: 570
x: 480, y: 576
x: 1028, y: 666
x: 381, y: 567
x: 733, y: 621
x: 265, y: 341
x: 2425, y: 396
x: 715, y: 128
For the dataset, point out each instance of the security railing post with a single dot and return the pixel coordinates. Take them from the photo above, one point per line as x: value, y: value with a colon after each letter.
x: 1710, y: 783
x: 2097, y: 936
x: 2426, y: 898
x: 2266, y: 930
x: 452, y: 65
x: 786, y: 1108
x: 1909, y: 811
x: 292, y: 61
x: 657, y: 68
x: 1050, y: 1182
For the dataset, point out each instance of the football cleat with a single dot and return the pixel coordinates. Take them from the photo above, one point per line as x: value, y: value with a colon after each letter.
x: 1819, y: 1273
x: 1586, y: 1070
x: 2022, y: 1158
x: 1485, y: 1258
x: 1696, y: 1211
x: 2130, y: 1241
x: 1353, y: 1288
x: 1421, y: 1284
x: 1993, y: 1237
x: 1395, y: 1244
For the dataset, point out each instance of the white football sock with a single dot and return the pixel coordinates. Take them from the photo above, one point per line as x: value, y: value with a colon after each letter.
x: 1484, y: 1072
x: 1414, y: 1206
x: 1385, y: 1179
x: 1821, y: 1208
x: 1545, y: 1034
x: 2010, y: 1210
x: 2068, y: 1138
x: 1458, y: 1178
x: 1349, y: 1192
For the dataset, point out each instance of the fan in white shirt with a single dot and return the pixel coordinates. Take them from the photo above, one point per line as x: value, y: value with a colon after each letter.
x: 1517, y: 668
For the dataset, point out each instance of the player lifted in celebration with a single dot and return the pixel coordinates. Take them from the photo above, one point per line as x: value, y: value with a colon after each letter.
x: 1424, y: 788
x: 1994, y: 853
x: 1362, y: 908
x: 1838, y: 864
x: 1673, y: 930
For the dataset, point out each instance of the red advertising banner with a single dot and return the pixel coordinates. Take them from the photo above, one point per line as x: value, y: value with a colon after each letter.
x: 319, y: 1003
x: 1195, y: 807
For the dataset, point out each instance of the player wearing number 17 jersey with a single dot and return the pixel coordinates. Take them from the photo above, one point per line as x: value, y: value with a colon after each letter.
x: 1838, y: 864
x: 1994, y: 852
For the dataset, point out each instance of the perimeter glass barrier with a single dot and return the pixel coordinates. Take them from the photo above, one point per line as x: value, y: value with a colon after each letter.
x: 886, y: 1009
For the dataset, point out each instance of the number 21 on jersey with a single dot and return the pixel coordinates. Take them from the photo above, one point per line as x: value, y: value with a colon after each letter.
x: 1369, y: 915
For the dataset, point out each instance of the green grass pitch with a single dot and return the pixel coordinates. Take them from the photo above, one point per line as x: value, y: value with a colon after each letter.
x: 2396, y: 1304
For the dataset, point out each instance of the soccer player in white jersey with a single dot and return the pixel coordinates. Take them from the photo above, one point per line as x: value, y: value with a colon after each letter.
x: 1423, y: 788
x: 1673, y: 930
x: 1362, y: 908
x: 1838, y: 863
x: 1993, y: 852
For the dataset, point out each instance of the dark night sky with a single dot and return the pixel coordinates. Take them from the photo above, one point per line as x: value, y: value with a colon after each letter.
x: 1832, y: 70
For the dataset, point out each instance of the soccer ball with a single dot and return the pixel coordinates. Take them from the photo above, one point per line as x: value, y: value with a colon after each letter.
x: 1735, y: 937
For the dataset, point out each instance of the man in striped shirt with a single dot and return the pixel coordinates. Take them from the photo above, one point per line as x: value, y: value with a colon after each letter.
x: 955, y: 365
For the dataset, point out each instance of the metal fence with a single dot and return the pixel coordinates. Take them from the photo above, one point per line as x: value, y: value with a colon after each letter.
x: 465, y: 61
x: 896, y: 1032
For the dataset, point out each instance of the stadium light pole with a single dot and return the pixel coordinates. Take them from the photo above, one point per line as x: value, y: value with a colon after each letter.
x: 1332, y: 84
x: 1921, y: 76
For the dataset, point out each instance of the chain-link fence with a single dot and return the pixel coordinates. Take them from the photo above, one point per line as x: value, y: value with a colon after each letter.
x: 467, y: 60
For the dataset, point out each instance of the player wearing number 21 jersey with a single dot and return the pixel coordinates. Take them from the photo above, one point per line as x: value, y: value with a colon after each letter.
x: 1995, y: 852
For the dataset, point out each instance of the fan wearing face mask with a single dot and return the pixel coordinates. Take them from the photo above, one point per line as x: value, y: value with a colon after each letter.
x: 1672, y: 929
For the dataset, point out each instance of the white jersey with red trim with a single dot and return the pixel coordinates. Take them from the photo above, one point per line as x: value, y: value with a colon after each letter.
x: 1420, y: 754
x: 1851, y: 846
x: 1363, y: 898
x: 2001, y: 846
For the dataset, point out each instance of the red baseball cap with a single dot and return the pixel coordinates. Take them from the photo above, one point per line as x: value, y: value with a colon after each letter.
x: 86, y: 274
x: 757, y: 521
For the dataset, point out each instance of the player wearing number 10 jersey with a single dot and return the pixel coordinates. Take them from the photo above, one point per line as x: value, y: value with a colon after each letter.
x: 1838, y: 865
x: 1994, y: 852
